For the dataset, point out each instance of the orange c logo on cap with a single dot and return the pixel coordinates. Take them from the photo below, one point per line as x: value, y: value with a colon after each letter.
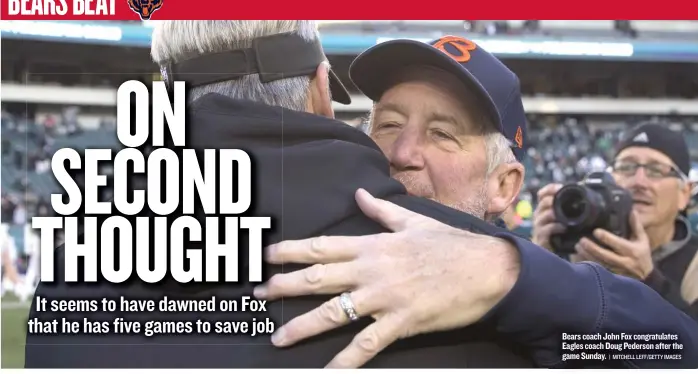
x: 464, y: 46
x: 518, y: 138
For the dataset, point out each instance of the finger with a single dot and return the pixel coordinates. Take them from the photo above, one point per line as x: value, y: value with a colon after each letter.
x: 544, y: 233
x: 616, y: 243
x: 584, y: 255
x: 391, y: 216
x: 549, y: 190
x: 578, y: 257
x: 637, y: 228
x: 318, y: 250
x: 314, y: 280
x: 545, y: 204
x: 326, y: 317
x: 544, y: 218
x: 368, y: 343
x: 604, y: 256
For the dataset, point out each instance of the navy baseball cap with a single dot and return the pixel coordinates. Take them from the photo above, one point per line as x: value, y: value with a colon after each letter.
x: 487, y: 77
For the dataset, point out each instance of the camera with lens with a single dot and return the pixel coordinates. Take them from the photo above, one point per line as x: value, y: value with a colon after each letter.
x: 596, y: 202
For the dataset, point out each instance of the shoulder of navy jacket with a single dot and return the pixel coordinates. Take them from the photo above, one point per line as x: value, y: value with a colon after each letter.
x: 657, y: 281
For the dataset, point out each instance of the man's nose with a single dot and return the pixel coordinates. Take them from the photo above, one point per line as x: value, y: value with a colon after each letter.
x: 407, y: 152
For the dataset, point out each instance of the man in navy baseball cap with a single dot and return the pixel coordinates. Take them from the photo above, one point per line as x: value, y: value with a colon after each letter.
x: 449, y: 116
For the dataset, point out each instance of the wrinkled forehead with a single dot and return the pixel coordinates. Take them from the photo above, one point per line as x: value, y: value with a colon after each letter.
x: 644, y: 155
x: 433, y: 76
x: 461, y: 103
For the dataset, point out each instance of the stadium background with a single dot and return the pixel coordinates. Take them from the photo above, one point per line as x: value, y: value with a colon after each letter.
x: 584, y: 82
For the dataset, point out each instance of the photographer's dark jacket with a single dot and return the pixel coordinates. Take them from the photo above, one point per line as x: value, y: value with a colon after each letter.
x: 306, y: 170
x: 671, y: 263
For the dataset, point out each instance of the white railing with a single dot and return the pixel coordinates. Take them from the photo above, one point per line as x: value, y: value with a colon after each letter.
x: 106, y: 97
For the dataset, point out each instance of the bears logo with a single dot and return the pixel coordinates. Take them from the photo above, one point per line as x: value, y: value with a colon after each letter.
x: 145, y: 8
x: 462, y: 45
x: 518, y: 138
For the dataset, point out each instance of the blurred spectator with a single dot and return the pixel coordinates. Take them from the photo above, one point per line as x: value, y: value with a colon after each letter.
x: 12, y: 281
x: 50, y: 124
x: 70, y: 119
x: 8, y: 208
x: 43, y: 208
x: 20, y: 215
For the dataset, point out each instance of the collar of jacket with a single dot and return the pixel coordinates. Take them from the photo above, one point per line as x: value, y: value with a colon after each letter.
x: 682, y: 234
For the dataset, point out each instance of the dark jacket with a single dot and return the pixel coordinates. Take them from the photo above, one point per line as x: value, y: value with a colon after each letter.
x: 306, y: 170
x: 671, y: 263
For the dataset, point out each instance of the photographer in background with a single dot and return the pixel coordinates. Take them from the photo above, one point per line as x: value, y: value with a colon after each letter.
x: 651, y: 163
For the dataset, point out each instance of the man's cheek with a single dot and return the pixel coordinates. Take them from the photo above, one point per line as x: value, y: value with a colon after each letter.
x: 450, y: 179
x: 646, y: 215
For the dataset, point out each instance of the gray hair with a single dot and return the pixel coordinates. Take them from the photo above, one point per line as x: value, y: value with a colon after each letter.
x: 498, y: 151
x: 174, y: 41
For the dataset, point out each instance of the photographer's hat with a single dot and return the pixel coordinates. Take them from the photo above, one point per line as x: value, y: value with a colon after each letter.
x: 660, y: 138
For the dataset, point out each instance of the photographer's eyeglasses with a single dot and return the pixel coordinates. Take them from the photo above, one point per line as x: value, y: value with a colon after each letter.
x: 653, y: 170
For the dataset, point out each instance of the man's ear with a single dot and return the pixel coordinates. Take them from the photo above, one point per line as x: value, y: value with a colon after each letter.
x: 685, y: 195
x: 320, y: 99
x: 503, y: 186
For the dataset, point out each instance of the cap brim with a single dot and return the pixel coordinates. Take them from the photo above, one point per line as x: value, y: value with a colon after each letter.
x: 339, y: 92
x: 372, y: 71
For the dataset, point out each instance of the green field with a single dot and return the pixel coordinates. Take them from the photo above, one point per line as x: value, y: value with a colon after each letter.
x: 14, y: 321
